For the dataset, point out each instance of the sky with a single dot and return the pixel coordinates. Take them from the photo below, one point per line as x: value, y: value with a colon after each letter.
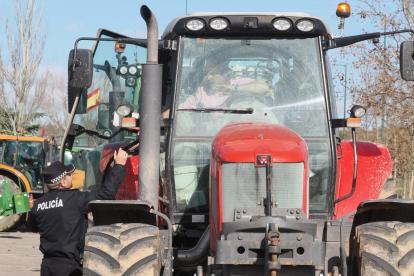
x: 67, y: 20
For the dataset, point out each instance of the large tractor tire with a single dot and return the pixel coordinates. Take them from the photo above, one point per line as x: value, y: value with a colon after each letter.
x: 122, y: 249
x: 10, y: 222
x: 383, y: 248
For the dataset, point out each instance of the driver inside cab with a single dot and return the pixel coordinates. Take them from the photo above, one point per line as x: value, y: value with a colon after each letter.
x: 218, y: 84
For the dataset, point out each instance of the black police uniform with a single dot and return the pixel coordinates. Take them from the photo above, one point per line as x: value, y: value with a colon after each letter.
x: 60, y: 217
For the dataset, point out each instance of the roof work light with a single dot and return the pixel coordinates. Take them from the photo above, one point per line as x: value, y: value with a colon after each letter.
x: 219, y: 24
x: 305, y: 25
x: 282, y: 24
x: 195, y: 24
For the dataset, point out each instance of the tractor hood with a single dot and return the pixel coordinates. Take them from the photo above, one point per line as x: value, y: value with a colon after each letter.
x: 242, y: 142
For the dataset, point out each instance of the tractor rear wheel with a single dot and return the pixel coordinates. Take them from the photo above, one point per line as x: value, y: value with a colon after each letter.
x: 383, y: 248
x: 122, y: 249
x: 10, y: 222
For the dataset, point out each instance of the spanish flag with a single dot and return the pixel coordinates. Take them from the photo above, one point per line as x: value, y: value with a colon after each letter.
x: 92, y: 100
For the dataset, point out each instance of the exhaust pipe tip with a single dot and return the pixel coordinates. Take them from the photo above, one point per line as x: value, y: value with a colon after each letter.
x: 152, y: 34
x: 146, y: 13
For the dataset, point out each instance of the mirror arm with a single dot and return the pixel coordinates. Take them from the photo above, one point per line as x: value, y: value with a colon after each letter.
x: 135, y: 41
x: 76, y: 130
x: 338, y: 123
x: 94, y: 133
x: 398, y: 32
x: 349, y: 40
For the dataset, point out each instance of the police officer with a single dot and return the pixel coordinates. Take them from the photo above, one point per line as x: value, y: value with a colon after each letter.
x: 60, y: 215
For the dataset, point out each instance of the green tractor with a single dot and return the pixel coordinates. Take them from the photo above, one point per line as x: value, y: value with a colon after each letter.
x: 22, y: 160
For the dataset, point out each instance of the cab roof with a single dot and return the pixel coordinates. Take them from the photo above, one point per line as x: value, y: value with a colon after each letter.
x: 265, y: 27
x: 21, y: 138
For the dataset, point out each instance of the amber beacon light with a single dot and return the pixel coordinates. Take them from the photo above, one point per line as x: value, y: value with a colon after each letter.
x: 343, y: 10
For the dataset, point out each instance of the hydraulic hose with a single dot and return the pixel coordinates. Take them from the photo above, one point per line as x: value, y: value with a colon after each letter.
x: 197, y: 254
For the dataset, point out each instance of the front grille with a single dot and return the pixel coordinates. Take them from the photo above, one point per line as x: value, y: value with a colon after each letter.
x: 242, y: 184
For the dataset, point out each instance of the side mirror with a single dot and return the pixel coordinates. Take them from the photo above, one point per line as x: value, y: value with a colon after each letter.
x: 407, y: 60
x: 80, y: 70
x: 72, y: 94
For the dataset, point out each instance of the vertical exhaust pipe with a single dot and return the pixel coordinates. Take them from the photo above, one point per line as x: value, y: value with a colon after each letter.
x: 150, y: 122
x: 152, y: 35
x: 150, y: 116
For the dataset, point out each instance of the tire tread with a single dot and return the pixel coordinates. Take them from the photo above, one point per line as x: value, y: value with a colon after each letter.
x: 369, y: 256
x: 128, y: 248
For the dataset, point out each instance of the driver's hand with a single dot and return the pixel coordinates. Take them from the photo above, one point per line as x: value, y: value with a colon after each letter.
x: 224, y: 89
x: 120, y: 157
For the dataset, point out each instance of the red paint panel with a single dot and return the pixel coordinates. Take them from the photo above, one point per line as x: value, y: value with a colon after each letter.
x: 129, y: 187
x: 374, y: 168
x: 108, y: 153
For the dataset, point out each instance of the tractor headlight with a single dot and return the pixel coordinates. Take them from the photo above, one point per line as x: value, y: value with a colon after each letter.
x: 219, y: 24
x: 358, y: 111
x: 123, y: 70
x: 305, y: 25
x: 195, y: 24
x: 124, y: 110
x: 130, y: 82
x: 282, y: 24
x: 132, y: 70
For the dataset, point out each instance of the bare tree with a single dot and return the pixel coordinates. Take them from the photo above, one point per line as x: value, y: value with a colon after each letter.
x: 56, y: 101
x: 389, y: 99
x: 22, y: 93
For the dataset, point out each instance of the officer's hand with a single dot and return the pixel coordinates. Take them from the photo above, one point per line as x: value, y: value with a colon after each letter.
x: 120, y: 157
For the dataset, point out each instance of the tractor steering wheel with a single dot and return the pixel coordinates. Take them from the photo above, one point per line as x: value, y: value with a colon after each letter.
x: 245, y: 97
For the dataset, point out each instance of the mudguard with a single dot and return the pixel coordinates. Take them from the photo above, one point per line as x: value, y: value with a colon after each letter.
x: 374, y: 168
x: 15, y: 174
x: 106, y: 212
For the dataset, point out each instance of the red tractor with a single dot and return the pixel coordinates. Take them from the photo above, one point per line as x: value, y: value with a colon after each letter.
x: 235, y: 167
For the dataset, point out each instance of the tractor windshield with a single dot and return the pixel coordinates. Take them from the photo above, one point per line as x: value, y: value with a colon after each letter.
x: 28, y: 159
x: 116, y: 81
x: 231, y: 80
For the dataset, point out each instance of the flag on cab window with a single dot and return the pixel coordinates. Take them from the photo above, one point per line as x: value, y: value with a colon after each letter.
x: 43, y: 132
x: 93, y: 98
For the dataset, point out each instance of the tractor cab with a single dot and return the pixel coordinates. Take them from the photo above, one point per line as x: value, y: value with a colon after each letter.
x: 214, y: 78
x: 26, y: 155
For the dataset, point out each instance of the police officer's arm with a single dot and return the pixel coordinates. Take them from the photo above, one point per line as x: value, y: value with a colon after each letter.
x: 110, y: 186
x: 31, y: 223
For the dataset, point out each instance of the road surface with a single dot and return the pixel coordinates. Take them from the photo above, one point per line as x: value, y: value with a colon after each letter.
x: 19, y: 253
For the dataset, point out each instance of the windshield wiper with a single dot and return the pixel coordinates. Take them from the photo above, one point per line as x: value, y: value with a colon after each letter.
x: 222, y: 110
